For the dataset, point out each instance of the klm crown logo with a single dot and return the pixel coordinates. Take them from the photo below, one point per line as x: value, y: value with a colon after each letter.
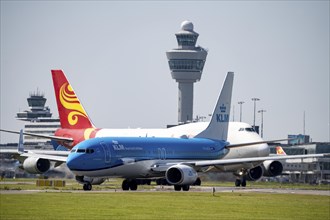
x: 223, y: 108
x: 222, y: 117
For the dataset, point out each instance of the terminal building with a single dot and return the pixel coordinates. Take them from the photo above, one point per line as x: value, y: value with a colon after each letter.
x: 308, y: 170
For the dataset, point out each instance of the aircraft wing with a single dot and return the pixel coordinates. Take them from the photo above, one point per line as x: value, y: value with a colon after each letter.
x: 56, y: 156
x: 56, y: 138
x: 203, y: 163
x: 254, y: 143
x: 162, y: 167
x: 8, y: 151
x: 35, y: 152
x: 49, y: 152
x: 53, y: 158
x: 52, y: 155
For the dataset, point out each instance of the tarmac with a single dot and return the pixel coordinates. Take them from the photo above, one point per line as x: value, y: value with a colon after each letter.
x: 165, y: 189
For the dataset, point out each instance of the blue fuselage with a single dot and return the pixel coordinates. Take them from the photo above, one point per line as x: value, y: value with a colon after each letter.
x: 99, y: 155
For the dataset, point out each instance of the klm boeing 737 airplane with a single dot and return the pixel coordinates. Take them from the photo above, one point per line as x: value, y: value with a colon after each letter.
x: 178, y: 160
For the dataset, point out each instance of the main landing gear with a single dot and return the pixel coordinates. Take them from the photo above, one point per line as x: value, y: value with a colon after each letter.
x: 132, y: 184
x: 240, y: 182
x: 129, y: 185
x: 87, y: 186
x: 183, y: 187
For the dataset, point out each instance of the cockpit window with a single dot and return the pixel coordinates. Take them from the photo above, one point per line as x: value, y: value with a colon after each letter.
x: 81, y: 150
x: 247, y: 129
x: 250, y: 130
x: 90, y: 151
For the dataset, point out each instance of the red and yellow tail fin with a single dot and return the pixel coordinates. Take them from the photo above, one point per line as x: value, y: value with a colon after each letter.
x: 280, y: 151
x: 72, y: 113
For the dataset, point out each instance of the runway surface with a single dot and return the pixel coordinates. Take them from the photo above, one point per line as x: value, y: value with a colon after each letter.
x: 192, y: 189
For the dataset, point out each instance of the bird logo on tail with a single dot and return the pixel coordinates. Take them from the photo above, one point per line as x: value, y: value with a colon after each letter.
x: 72, y: 113
x: 280, y: 151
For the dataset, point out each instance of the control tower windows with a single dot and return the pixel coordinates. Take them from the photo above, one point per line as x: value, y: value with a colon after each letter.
x: 186, y: 39
x: 186, y: 65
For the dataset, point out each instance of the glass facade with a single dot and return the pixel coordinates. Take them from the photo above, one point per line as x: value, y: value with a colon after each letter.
x: 186, y: 39
x: 36, y: 101
x: 186, y: 65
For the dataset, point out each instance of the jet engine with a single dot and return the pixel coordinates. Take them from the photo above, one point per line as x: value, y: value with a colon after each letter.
x: 181, y: 175
x: 36, y: 165
x: 254, y: 173
x: 272, y: 168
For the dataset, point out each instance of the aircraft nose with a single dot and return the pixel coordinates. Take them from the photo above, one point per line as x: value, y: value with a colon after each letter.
x: 72, y: 162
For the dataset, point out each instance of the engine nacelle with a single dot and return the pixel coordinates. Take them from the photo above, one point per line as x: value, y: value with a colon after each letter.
x: 91, y: 180
x: 255, y: 173
x: 36, y: 165
x: 272, y: 168
x: 181, y: 175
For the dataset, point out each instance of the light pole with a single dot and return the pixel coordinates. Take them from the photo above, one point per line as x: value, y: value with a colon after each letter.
x: 262, y: 121
x: 254, y: 112
x: 240, y: 110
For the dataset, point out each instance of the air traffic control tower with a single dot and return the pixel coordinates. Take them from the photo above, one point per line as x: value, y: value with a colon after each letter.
x: 186, y: 64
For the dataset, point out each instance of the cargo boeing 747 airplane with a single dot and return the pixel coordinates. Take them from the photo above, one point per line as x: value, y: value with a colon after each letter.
x: 178, y: 160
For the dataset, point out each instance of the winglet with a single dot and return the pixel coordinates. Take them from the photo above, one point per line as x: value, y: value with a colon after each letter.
x: 20, y: 148
x: 218, y: 126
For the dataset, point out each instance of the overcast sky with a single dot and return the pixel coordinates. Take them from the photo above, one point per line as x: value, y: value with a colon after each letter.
x: 113, y: 53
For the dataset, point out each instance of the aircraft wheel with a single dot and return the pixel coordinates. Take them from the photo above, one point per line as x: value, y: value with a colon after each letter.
x: 185, y: 187
x: 198, y: 182
x: 87, y: 187
x: 125, y: 185
x: 243, y: 182
x: 177, y: 188
x: 133, y: 185
x: 237, y: 182
x: 164, y: 182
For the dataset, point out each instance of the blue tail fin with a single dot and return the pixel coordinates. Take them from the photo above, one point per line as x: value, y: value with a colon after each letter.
x: 218, y: 126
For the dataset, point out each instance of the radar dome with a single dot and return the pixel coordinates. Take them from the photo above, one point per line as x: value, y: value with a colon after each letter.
x: 187, y: 26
